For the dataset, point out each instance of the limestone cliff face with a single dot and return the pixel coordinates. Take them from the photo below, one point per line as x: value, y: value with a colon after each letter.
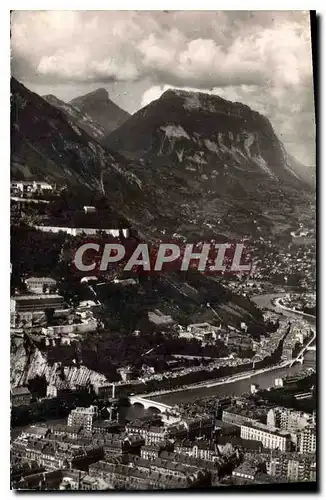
x: 27, y: 361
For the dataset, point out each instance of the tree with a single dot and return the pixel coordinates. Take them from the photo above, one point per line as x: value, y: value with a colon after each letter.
x: 49, y: 313
x: 38, y: 386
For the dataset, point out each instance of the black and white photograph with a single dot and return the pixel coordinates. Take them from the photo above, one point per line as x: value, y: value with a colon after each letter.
x: 163, y: 251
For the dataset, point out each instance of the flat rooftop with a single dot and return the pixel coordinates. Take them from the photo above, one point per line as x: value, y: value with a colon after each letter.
x: 38, y: 296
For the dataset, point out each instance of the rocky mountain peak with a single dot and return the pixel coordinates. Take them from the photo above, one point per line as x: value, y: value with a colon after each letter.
x: 100, y: 94
x: 209, y: 103
x: 101, y: 109
x: 50, y: 97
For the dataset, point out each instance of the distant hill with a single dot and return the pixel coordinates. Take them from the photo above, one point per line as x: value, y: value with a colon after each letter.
x: 306, y: 173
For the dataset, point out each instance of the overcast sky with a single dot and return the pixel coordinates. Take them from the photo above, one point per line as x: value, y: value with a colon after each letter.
x: 260, y: 58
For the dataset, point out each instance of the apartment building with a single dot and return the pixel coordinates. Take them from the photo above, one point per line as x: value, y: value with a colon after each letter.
x: 288, y: 419
x: 307, y: 440
x: 83, y: 417
x: 270, y: 437
x: 293, y: 466
x: 232, y: 418
x: 20, y: 396
x: 31, y: 303
x: 202, y: 449
x: 39, y: 285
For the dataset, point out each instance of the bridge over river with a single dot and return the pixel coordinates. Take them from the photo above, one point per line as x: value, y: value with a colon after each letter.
x: 149, y: 403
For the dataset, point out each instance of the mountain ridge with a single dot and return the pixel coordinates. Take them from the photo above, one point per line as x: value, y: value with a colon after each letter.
x: 82, y: 120
x: 47, y: 145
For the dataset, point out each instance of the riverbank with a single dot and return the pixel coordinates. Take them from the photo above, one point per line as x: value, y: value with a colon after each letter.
x: 235, y: 388
x: 282, y: 306
x: 267, y: 301
x: 264, y: 377
x: 220, y: 381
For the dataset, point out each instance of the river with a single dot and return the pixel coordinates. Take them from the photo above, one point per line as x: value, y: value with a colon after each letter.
x: 264, y: 380
x: 266, y: 300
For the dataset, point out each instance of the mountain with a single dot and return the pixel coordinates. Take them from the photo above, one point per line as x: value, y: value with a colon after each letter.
x: 46, y: 145
x: 193, y: 127
x: 222, y: 160
x: 101, y: 109
x: 198, y: 166
x: 306, y: 173
x: 82, y: 120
